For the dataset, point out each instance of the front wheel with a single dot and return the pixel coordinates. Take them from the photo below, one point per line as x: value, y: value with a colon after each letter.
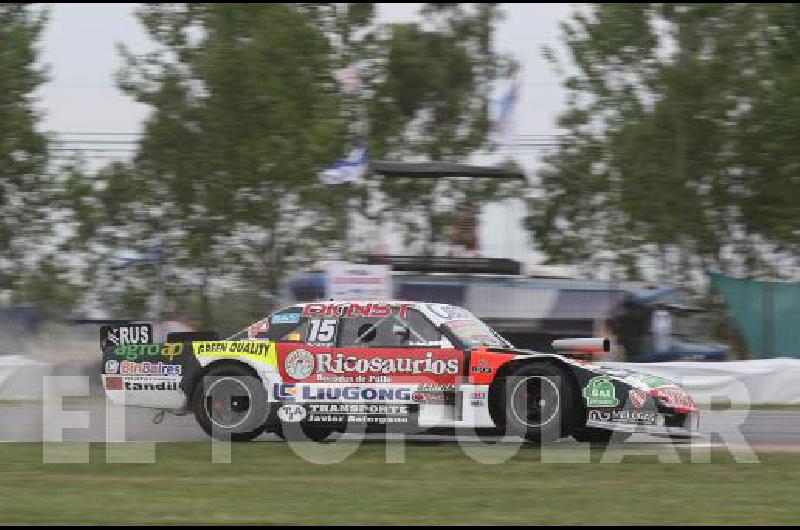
x: 230, y: 403
x: 536, y: 403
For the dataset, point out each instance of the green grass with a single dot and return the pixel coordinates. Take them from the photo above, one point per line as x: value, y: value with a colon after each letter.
x: 267, y: 484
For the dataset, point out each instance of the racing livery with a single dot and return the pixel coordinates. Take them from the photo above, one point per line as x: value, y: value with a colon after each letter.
x: 317, y: 368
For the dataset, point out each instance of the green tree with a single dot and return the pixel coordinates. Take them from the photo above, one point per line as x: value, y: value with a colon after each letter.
x: 430, y: 96
x: 245, y: 113
x: 23, y: 150
x: 427, y: 89
x: 103, y: 218
x: 670, y: 159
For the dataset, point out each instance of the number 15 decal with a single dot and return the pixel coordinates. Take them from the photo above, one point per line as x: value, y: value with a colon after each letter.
x: 321, y: 331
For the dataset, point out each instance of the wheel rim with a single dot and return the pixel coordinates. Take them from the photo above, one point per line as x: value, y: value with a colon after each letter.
x: 535, y: 401
x: 228, y: 403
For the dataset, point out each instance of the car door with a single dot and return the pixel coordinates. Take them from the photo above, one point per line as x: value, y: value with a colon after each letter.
x: 370, y: 369
x: 403, y: 352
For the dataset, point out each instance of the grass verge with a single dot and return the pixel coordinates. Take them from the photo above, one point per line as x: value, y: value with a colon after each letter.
x: 266, y: 483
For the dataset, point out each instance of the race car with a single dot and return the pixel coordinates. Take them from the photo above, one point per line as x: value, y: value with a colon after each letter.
x: 313, y: 369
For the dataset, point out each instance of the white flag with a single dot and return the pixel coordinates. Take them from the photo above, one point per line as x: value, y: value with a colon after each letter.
x: 506, y: 108
x: 349, y: 169
x: 349, y: 78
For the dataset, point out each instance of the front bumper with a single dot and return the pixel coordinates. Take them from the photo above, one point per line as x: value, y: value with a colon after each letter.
x: 667, y: 427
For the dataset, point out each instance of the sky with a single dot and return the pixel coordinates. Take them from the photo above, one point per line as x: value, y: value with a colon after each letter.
x: 79, y: 49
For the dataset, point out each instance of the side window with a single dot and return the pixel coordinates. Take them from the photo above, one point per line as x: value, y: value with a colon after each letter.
x: 411, y: 329
x: 360, y: 332
x: 422, y: 331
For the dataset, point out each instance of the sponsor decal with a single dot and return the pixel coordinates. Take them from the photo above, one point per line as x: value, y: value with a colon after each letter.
x: 114, y: 383
x: 352, y: 310
x: 673, y: 397
x: 449, y: 312
x: 135, y: 352
x: 345, y: 364
x: 360, y: 413
x: 436, y: 394
x: 284, y: 391
x: 637, y: 398
x: 354, y: 393
x: 112, y: 366
x: 252, y: 347
x: 259, y: 328
x: 128, y: 334
x: 141, y: 383
x: 600, y: 392
x: 370, y: 366
x: 646, y: 380
x: 482, y: 367
x: 151, y: 383
x: 292, y: 413
x: 438, y: 388
x: 170, y: 351
x: 292, y: 392
x: 623, y: 416
x: 148, y: 368
x: 434, y: 397
x: 256, y: 350
x: 299, y: 364
x: 286, y: 318
x: 321, y: 331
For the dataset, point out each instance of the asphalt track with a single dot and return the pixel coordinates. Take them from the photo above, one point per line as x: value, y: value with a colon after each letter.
x: 30, y: 422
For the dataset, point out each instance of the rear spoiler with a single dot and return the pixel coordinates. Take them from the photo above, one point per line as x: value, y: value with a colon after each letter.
x: 189, y: 336
x: 590, y: 346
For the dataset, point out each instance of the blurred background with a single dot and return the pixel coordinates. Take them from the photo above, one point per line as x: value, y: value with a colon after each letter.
x: 559, y: 169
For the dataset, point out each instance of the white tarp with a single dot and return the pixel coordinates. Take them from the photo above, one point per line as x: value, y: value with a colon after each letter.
x: 21, y: 377
x: 350, y: 281
x: 757, y: 381
x: 490, y: 301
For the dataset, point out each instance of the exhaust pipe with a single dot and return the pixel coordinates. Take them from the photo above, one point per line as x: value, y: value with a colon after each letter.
x: 591, y: 345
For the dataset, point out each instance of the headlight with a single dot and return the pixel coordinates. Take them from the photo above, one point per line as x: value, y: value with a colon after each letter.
x: 674, y: 398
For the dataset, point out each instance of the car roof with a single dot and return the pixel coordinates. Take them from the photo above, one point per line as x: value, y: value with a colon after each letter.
x: 342, y: 302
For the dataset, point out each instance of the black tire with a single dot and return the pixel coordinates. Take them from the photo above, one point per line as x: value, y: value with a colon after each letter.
x: 536, y: 401
x: 239, y: 399
x: 599, y: 437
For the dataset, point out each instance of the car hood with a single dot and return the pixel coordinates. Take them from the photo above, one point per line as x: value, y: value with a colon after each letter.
x: 634, y: 378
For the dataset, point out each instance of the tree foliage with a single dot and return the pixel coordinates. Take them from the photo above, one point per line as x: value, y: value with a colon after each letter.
x: 23, y: 149
x: 677, y: 152
x: 432, y: 98
x: 246, y: 112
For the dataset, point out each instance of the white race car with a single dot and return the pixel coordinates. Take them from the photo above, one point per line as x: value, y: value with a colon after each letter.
x: 319, y: 368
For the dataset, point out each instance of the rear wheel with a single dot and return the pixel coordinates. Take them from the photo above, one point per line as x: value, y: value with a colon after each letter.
x: 536, y: 403
x: 230, y: 403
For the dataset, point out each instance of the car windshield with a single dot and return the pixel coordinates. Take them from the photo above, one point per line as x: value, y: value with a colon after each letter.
x: 473, y: 333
